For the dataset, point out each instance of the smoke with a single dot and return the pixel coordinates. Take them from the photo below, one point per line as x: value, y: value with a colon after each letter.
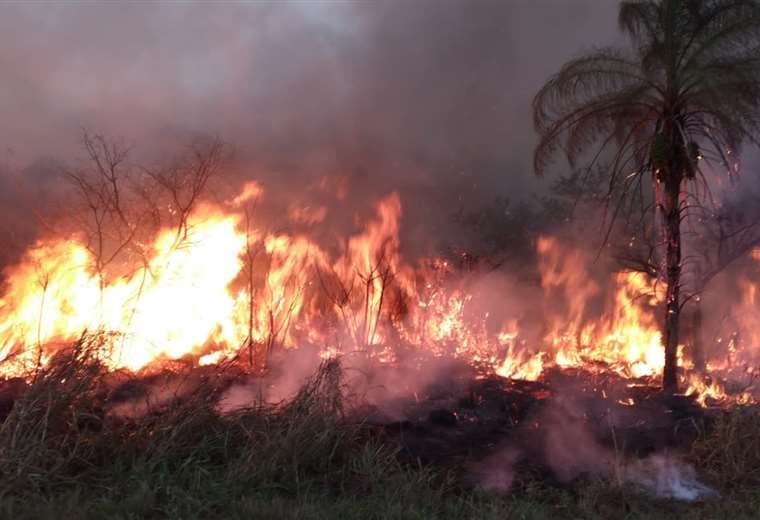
x: 288, y: 371
x: 329, y: 106
x: 430, y: 98
x: 570, y: 447
x: 666, y: 476
x: 387, y: 390
x: 324, y: 102
x: 567, y: 442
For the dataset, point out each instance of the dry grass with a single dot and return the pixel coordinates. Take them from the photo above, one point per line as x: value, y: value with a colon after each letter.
x: 187, y: 460
x: 61, y: 456
x: 729, y: 455
x: 51, y: 436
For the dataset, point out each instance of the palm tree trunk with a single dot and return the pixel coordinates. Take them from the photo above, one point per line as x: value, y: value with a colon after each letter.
x: 672, y: 301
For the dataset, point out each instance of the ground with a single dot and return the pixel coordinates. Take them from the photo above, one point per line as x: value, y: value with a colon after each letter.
x: 63, y: 456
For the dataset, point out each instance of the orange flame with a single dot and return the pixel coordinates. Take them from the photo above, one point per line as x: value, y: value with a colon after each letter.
x: 626, y: 340
x: 227, y: 288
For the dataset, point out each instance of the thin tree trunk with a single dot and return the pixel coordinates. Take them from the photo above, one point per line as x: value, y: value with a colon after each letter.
x: 672, y: 301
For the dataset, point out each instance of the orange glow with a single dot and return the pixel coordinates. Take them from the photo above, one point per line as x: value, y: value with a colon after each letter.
x: 626, y: 339
x: 178, y: 302
x: 231, y: 290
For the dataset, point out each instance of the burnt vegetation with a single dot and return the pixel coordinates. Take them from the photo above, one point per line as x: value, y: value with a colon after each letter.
x: 339, y: 399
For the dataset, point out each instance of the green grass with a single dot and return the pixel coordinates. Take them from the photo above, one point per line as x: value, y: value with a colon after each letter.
x: 61, y: 457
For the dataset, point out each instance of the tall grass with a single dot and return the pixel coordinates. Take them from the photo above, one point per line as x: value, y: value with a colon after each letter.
x: 52, y: 433
x: 63, y: 456
x: 186, y: 461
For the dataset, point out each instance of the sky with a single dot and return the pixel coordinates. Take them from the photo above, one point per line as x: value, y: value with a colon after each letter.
x: 430, y: 98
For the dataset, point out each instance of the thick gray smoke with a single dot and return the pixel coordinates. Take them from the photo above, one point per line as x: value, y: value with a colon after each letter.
x: 429, y: 98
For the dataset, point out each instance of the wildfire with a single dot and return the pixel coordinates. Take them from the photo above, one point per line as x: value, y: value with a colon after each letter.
x: 175, y: 303
x: 626, y: 338
x: 705, y: 389
x: 222, y: 288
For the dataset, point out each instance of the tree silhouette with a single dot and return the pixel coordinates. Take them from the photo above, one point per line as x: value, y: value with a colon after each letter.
x: 684, y: 94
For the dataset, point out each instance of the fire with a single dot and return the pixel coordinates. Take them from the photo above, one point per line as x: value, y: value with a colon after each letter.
x: 518, y: 364
x: 626, y: 339
x: 223, y: 288
x: 704, y: 388
x: 747, y: 328
x: 184, y: 301
x: 175, y: 303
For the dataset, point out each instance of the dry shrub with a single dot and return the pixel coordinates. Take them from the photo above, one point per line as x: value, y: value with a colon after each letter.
x: 729, y: 455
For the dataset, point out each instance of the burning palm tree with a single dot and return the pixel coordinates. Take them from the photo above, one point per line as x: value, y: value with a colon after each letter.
x: 686, y: 93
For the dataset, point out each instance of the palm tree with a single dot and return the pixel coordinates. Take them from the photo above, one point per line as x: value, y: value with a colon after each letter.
x: 684, y: 94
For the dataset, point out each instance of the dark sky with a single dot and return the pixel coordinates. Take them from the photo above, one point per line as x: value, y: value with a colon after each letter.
x: 428, y: 97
